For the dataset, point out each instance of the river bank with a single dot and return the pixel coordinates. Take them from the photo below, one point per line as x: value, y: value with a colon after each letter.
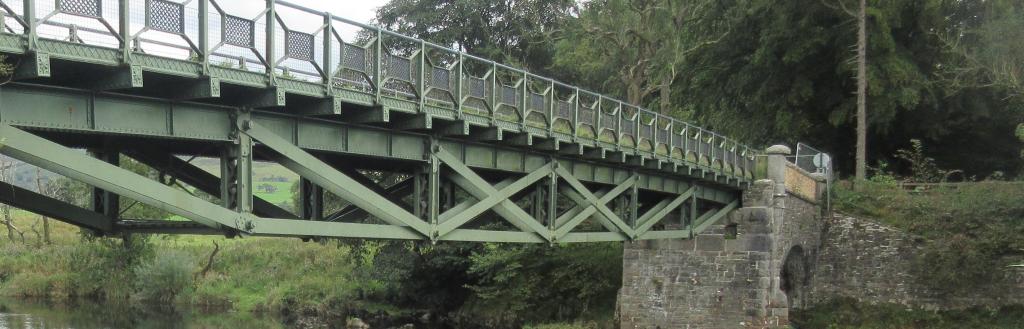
x: 327, y: 281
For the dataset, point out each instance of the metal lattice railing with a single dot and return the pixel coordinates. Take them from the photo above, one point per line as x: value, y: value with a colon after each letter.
x: 290, y: 41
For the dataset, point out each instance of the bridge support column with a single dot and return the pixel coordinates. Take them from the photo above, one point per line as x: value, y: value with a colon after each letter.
x: 746, y: 270
x: 236, y: 170
x: 103, y: 201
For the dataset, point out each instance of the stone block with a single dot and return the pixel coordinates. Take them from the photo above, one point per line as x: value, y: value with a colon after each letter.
x: 710, y: 243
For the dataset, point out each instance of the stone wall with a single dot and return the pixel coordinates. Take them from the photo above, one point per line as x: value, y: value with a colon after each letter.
x: 872, y: 263
x: 715, y: 282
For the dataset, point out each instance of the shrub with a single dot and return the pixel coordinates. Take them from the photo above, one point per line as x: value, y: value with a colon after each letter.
x: 974, y: 228
x: 165, y: 277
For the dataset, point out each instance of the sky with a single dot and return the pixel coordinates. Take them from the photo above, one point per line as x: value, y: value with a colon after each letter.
x: 362, y: 11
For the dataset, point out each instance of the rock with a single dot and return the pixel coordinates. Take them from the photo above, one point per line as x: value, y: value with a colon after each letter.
x: 356, y: 323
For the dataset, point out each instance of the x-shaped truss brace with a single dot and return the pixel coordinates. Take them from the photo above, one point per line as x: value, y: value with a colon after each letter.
x: 489, y: 197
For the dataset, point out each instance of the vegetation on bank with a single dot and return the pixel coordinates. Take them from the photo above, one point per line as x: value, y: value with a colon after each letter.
x: 849, y: 314
x: 968, y: 233
x: 469, y: 285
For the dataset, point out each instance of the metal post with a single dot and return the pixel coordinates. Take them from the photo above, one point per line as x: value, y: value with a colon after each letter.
x: 124, y: 29
x: 377, y: 70
x: 458, y: 86
x: 422, y: 83
x: 236, y: 169
x: 693, y: 209
x: 103, y: 201
x: 551, y: 106
x: 552, y: 186
x: 523, y: 98
x: 311, y: 197
x: 328, y: 49
x: 494, y: 91
x: 633, y: 202
x: 29, y: 13
x: 271, y: 57
x: 433, y: 188
x: 204, y: 35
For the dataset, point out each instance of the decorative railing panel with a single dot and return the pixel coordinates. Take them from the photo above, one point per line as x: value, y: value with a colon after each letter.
x: 288, y: 41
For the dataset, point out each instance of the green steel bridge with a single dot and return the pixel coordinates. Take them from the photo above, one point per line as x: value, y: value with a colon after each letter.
x: 420, y: 141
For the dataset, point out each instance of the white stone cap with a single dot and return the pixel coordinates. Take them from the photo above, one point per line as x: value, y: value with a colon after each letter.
x: 779, y: 149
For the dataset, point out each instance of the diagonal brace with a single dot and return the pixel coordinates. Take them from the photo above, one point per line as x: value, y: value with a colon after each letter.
x: 54, y: 157
x: 44, y: 205
x: 320, y: 173
x: 592, y: 202
x: 200, y: 179
x: 600, y: 203
x: 480, y: 189
x: 492, y: 200
x: 654, y: 215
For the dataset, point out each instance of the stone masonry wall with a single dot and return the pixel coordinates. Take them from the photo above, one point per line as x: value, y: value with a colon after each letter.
x: 872, y: 263
x: 714, y: 282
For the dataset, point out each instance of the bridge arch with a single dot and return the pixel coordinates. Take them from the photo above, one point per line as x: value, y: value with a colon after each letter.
x: 795, y: 276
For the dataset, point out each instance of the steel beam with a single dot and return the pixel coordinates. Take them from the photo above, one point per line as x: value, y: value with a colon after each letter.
x: 654, y: 215
x: 51, y: 156
x: 480, y: 189
x: 320, y: 173
x: 41, y: 204
x: 599, y: 204
x: 199, y: 178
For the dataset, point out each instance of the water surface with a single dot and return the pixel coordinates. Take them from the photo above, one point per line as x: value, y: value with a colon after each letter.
x: 21, y: 314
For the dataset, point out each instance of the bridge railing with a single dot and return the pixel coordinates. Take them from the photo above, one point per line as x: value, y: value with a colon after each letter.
x: 289, y: 42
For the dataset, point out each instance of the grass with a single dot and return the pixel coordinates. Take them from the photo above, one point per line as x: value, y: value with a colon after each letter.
x: 248, y: 274
x: 282, y: 193
x: 974, y: 228
x: 848, y: 314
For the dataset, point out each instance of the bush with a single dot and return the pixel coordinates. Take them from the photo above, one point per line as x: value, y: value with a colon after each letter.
x: 165, y: 277
x: 974, y: 228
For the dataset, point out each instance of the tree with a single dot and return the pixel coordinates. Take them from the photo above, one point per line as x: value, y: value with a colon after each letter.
x: 862, y: 90
x: 506, y: 31
x: 635, y: 48
x: 783, y: 75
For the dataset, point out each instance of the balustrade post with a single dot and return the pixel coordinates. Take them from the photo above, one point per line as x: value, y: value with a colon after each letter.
x: 523, y: 98
x: 204, y: 36
x: 575, y: 121
x: 29, y: 10
x: 328, y: 54
x: 124, y: 29
x: 458, y: 86
x: 494, y: 92
x: 271, y: 57
x: 551, y: 106
x: 377, y: 69
x: 422, y: 84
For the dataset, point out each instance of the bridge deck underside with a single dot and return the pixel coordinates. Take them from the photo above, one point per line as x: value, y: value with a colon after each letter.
x: 415, y: 146
x: 393, y: 184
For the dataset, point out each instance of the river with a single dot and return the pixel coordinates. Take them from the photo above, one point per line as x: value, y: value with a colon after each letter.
x: 21, y: 314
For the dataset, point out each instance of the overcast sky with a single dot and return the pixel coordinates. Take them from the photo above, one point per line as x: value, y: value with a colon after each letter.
x: 358, y: 10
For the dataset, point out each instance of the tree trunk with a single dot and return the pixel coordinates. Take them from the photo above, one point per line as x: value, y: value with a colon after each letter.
x: 862, y: 87
x: 666, y: 102
x: 46, y: 221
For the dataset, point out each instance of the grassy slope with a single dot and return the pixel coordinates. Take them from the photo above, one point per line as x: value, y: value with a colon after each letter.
x: 965, y: 232
x: 247, y: 274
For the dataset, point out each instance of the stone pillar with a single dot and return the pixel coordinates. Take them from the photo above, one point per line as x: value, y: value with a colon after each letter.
x: 777, y: 166
x: 778, y: 307
x: 713, y: 281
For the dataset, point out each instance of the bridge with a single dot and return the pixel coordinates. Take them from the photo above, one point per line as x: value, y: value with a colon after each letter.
x: 471, y: 149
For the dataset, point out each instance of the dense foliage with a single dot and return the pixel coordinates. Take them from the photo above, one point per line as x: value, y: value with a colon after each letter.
x: 945, y: 72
